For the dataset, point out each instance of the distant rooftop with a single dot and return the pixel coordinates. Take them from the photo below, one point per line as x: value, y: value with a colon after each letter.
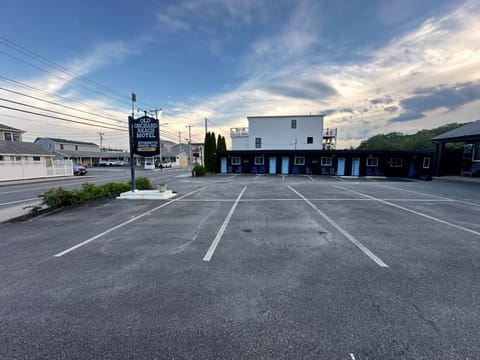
x: 464, y: 132
x: 9, y: 128
x: 65, y: 141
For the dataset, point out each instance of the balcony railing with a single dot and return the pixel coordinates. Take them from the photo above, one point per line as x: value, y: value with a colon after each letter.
x: 238, y: 132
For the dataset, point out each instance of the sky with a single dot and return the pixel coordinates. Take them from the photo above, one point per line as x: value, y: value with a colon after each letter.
x: 370, y: 66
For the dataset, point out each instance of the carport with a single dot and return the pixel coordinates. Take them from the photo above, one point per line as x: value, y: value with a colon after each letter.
x: 468, y: 134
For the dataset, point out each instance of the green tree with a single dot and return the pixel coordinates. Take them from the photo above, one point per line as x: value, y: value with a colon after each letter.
x: 210, y: 148
x: 422, y: 140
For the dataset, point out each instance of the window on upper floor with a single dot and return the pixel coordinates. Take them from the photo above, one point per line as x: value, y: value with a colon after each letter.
x: 61, y: 146
x: 16, y: 137
x: 258, y: 143
x: 310, y: 140
x: 7, y: 136
x: 76, y: 147
x: 294, y: 124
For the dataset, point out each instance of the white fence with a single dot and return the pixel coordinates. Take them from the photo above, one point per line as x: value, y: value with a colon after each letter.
x: 28, y: 169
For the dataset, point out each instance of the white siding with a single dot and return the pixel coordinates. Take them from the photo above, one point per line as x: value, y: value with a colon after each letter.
x: 276, y: 132
x: 240, y: 143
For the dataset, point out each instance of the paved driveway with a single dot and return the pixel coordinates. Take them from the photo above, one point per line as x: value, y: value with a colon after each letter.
x: 249, y: 267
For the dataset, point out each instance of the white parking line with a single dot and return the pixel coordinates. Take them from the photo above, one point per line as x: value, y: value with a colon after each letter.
x: 352, y: 357
x: 440, y: 197
x: 122, y: 224
x: 215, y: 242
x: 256, y: 177
x: 412, y: 211
x: 311, y: 178
x: 357, y: 243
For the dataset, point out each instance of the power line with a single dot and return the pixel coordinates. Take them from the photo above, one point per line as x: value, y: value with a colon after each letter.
x: 59, y: 118
x: 57, y: 104
x: 75, y: 76
x: 54, y: 112
x: 29, y: 87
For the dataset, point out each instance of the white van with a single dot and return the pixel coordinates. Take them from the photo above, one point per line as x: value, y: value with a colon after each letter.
x: 149, y: 163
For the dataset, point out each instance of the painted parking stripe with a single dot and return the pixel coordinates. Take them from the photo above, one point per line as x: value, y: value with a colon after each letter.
x: 411, y: 211
x: 123, y: 224
x: 215, y: 242
x: 355, y: 242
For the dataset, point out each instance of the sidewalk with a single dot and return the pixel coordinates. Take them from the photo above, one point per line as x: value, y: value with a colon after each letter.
x: 12, y: 212
x: 41, y: 180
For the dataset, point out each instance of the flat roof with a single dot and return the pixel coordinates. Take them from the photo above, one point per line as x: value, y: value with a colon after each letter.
x: 284, y: 116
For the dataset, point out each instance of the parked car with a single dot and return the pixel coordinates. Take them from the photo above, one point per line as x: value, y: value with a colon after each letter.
x: 166, y: 164
x: 79, y: 169
x: 105, y: 163
x: 119, y: 163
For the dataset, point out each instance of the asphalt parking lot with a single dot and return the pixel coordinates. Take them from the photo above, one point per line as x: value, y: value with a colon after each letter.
x: 249, y: 267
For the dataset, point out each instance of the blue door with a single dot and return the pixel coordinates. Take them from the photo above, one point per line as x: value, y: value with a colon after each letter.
x: 355, y: 167
x: 223, y: 165
x: 273, y: 166
x: 341, y: 167
x: 285, y: 165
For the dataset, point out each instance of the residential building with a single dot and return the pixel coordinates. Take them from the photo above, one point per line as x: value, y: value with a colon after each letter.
x: 8, y: 133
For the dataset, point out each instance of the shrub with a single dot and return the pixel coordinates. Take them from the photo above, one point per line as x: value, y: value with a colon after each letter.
x: 199, y: 170
x: 142, y: 183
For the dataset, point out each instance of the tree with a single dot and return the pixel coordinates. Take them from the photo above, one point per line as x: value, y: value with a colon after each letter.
x: 422, y: 140
x: 210, y: 148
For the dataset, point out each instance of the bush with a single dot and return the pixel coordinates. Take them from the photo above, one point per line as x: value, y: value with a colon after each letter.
x: 199, y: 170
x: 59, y: 197
x: 142, y: 183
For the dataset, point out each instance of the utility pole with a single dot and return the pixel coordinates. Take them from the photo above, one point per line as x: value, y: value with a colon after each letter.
x: 159, y: 140
x: 180, y: 140
x: 130, y: 131
x: 206, y: 126
x: 101, y: 139
x: 190, y: 142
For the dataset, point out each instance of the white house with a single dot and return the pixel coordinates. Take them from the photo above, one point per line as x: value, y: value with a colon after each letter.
x: 292, y: 132
x: 55, y: 144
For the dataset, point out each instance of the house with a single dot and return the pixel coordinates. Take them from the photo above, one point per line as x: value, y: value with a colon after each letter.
x: 80, y: 151
x: 8, y: 133
x: 23, y: 160
x: 469, y: 134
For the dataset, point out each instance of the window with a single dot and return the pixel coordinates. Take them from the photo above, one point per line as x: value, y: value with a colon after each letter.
x: 61, y: 146
x: 258, y: 143
x: 299, y: 160
x: 36, y: 158
x: 76, y: 147
x: 1, y: 157
x: 326, y: 161
x: 258, y: 160
x: 372, y: 162
x: 236, y: 160
x: 426, y: 163
x: 310, y: 140
x: 396, y: 162
x: 16, y: 137
x: 18, y: 158
x: 7, y: 136
x: 476, y: 153
x: 294, y: 124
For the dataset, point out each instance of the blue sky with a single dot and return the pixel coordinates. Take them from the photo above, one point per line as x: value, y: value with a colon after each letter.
x: 370, y: 66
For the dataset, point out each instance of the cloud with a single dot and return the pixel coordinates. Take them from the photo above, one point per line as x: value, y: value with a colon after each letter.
x: 432, y: 98
x: 385, y: 100
x: 171, y: 23
x: 307, y: 89
x: 391, y: 109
